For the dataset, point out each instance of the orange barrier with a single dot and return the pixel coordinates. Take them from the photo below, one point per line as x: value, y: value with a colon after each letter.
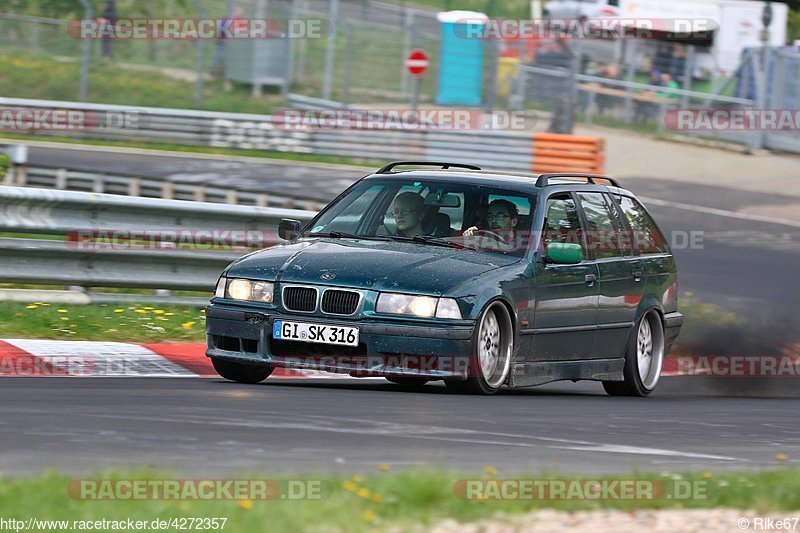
x: 558, y: 152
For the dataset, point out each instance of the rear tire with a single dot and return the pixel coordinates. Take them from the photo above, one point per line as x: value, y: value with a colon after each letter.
x: 492, y: 352
x: 643, y: 359
x: 241, y: 372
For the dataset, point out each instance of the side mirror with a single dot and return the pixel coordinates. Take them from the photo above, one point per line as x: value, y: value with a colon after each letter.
x: 564, y: 253
x: 288, y: 229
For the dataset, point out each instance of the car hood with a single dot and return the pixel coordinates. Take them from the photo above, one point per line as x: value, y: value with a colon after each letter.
x: 376, y: 265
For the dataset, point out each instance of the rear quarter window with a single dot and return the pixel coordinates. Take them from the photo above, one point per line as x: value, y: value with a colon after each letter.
x: 645, y: 236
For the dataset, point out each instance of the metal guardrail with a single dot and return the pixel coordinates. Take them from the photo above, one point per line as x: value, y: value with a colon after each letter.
x: 497, y: 149
x: 133, y: 185
x: 68, y: 213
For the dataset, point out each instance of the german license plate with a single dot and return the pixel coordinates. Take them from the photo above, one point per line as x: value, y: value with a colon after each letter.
x: 322, y: 333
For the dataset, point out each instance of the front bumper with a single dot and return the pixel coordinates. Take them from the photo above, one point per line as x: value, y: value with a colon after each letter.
x: 386, y: 348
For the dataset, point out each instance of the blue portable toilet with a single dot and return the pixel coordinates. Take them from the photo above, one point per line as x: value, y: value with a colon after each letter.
x: 461, y: 58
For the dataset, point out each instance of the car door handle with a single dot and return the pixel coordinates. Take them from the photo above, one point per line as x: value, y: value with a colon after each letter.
x: 637, y: 275
x: 590, y: 279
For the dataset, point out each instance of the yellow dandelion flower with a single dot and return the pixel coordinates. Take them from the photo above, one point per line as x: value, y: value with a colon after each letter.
x: 369, y: 516
x: 377, y: 498
x: 246, y: 504
x: 119, y: 310
x: 158, y: 312
x: 64, y: 318
x: 169, y: 314
x: 781, y: 457
x: 349, y: 486
x: 489, y: 470
x: 32, y: 307
x: 142, y: 312
x: 188, y: 325
x: 63, y: 311
x: 363, y: 493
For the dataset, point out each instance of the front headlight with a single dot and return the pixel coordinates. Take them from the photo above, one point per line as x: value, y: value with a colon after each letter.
x: 250, y: 291
x: 421, y: 306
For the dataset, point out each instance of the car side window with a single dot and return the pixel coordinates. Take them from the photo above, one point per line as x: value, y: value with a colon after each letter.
x: 646, y: 237
x: 562, y: 223
x: 604, y: 231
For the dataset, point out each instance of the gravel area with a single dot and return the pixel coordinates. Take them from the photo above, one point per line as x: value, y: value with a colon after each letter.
x: 651, y: 521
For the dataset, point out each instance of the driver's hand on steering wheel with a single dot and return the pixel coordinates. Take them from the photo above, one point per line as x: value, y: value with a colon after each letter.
x: 469, y: 232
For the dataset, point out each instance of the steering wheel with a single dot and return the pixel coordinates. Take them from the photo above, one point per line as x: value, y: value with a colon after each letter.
x: 489, y: 233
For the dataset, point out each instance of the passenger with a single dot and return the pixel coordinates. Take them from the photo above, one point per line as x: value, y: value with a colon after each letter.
x: 501, y: 219
x: 408, y: 211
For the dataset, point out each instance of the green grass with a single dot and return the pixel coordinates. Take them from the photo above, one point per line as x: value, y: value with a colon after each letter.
x: 101, y: 322
x: 28, y: 75
x: 382, y: 500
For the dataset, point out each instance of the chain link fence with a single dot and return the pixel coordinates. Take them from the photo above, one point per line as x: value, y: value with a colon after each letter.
x: 359, y: 60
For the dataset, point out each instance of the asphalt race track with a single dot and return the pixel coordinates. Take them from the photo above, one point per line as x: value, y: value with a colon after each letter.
x: 745, y: 266
x: 209, y: 426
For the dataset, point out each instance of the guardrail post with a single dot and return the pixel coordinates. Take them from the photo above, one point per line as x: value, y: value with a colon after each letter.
x: 168, y: 190
x: 262, y: 200
x: 99, y: 183
x: 134, y: 187
x: 199, y: 194
x: 232, y: 198
x: 61, y: 178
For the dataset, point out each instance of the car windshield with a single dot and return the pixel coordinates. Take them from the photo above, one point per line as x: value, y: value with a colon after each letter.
x: 436, y: 213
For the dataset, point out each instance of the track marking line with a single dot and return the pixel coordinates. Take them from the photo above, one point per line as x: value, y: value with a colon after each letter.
x: 718, y: 212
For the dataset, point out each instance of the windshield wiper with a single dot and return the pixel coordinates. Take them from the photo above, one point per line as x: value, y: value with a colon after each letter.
x: 436, y: 241
x: 345, y: 235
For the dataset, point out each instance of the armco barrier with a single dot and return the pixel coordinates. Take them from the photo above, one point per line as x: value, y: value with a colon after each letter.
x: 65, y: 213
x: 134, y: 185
x: 555, y: 152
x: 496, y: 149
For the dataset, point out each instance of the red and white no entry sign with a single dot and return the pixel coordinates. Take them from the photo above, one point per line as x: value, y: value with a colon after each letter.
x: 417, y: 62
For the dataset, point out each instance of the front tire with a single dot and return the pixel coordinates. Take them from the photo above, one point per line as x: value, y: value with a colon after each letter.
x: 492, y: 352
x: 241, y: 372
x: 643, y: 359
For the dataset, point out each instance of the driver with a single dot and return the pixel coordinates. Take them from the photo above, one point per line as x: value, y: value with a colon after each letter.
x: 502, y: 217
x: 408, y: 211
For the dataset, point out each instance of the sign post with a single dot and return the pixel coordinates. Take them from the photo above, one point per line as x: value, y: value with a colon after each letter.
x: 416, y: 64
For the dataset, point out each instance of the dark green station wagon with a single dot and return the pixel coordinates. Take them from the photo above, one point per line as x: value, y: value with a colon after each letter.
x: 478, y: 278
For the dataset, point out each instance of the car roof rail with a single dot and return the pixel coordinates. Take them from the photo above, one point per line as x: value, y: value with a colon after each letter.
x: 388, y: 168
x: 543, y: 180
